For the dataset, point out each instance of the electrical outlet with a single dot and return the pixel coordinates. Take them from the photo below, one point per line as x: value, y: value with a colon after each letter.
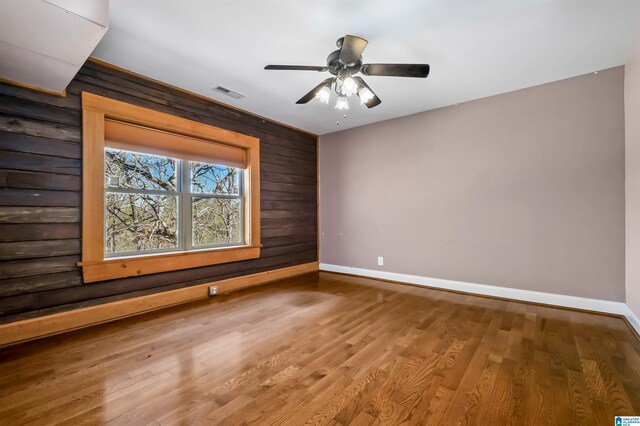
x: 380, y: 261
x: 213, y: 290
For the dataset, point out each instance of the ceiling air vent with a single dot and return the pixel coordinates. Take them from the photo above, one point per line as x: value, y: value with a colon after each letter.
x: 228, y: 92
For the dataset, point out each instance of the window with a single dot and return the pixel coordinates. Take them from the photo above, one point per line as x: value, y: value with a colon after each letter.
x: 216, y: 205
x: 162, y: 193
x: 157, y: 204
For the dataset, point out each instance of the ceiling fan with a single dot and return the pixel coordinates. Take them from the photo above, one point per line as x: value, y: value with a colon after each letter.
x: 344, y: 63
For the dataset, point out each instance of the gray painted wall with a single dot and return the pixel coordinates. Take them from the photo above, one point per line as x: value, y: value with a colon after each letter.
x: 523, y: 190
x: 632, y: 179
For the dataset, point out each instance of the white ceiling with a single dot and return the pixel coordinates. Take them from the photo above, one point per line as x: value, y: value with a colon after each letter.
x: 44, y: 43
x: 475, y: 48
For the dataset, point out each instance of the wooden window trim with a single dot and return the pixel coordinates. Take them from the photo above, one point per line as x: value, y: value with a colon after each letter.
x: 95, y: 109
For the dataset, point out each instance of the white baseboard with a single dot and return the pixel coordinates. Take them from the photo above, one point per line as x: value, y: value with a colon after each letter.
x: 633, y: 319
x: 597, y: 305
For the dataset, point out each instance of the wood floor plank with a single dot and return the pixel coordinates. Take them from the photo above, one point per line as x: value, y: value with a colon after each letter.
x: 328, y: 349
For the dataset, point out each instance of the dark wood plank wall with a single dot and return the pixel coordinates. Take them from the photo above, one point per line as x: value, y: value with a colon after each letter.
x: 40, y: 193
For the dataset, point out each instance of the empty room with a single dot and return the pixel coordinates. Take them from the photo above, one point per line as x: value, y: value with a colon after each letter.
x: 280, y: 212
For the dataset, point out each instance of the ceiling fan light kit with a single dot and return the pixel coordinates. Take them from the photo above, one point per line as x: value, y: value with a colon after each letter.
x: 344, y: 63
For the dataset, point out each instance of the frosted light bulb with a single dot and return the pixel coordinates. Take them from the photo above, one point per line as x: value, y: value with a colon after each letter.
x: 365, y: 95
x: 323, y: 95
x: 349, y: 86
x: 342, y: 103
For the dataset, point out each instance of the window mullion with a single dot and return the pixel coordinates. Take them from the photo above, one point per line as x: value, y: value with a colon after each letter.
x: 186, y: 222
x: 222, y: 196
x: 116, y: 190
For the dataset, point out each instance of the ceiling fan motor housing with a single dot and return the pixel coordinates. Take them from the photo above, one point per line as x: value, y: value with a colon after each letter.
x: 337, y: 68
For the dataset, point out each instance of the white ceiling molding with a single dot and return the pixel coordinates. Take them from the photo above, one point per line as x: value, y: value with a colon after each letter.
x: 43, y: 44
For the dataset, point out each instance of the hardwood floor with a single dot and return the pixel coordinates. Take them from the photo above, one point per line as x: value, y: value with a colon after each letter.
x: 330, y: 349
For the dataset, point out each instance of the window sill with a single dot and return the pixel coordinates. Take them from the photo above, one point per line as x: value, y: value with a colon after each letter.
x: 129, y: 266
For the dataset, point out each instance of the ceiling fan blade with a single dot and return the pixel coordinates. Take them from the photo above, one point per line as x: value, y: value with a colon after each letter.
x: 352, y: 48
x: 396, y: 70
x: 295, y: 68
x: 375, y: 101
x: 312, y: 94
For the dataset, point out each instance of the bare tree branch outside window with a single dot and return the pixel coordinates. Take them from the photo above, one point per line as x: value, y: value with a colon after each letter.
x: 150, y: 207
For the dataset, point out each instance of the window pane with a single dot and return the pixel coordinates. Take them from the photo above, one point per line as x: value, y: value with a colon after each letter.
x: 216, y: 221
x: 125, y: 169
x: 139, y: 222
x: 211, y: 179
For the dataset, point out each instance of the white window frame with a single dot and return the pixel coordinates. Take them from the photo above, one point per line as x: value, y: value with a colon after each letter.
x: 184, y: 202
